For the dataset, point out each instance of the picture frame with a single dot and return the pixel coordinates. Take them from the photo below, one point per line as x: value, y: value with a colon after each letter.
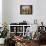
x: 25, y: 9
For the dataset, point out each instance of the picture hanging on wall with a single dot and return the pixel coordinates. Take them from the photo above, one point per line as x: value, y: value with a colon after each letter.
x: 25, y: 9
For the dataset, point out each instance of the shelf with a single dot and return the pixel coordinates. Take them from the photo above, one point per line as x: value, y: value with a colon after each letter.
x: 12, y: 32
x: 17, y: 28
x: 19, y: 25
x: 16, y: 32
x: 19, y: 32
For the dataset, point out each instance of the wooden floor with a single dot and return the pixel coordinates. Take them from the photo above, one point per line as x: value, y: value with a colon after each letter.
x: 1, y: 45
x: 42, y: 45
x: 32, y: 45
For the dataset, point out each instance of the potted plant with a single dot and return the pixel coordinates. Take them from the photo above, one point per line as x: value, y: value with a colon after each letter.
x: 3, y: 34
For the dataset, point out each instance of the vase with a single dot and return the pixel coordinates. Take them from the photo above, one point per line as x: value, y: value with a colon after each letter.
x: 2, y: 40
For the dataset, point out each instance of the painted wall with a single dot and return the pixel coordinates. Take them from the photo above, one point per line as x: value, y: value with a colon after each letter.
x: 4, y: 11
x: 15, y: 15
x: 0, y: 13
x: 12, y: 11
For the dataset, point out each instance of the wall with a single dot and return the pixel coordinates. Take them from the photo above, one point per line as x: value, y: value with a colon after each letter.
x: 12, y: 11
x: 0, y: 13
x: 4, y: 11
x: 16, y: 11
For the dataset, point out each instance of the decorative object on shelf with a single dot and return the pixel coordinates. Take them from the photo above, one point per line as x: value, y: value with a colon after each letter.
x: 35, y: 21
x: 41, y: 28
x: 23, y: 23
x: 42, y: 23
x: 26, y: 9
x: 14, y: 24
x: 28, y: 33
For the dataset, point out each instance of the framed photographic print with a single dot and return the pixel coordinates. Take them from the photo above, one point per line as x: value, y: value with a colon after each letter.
x: 25, y: 9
